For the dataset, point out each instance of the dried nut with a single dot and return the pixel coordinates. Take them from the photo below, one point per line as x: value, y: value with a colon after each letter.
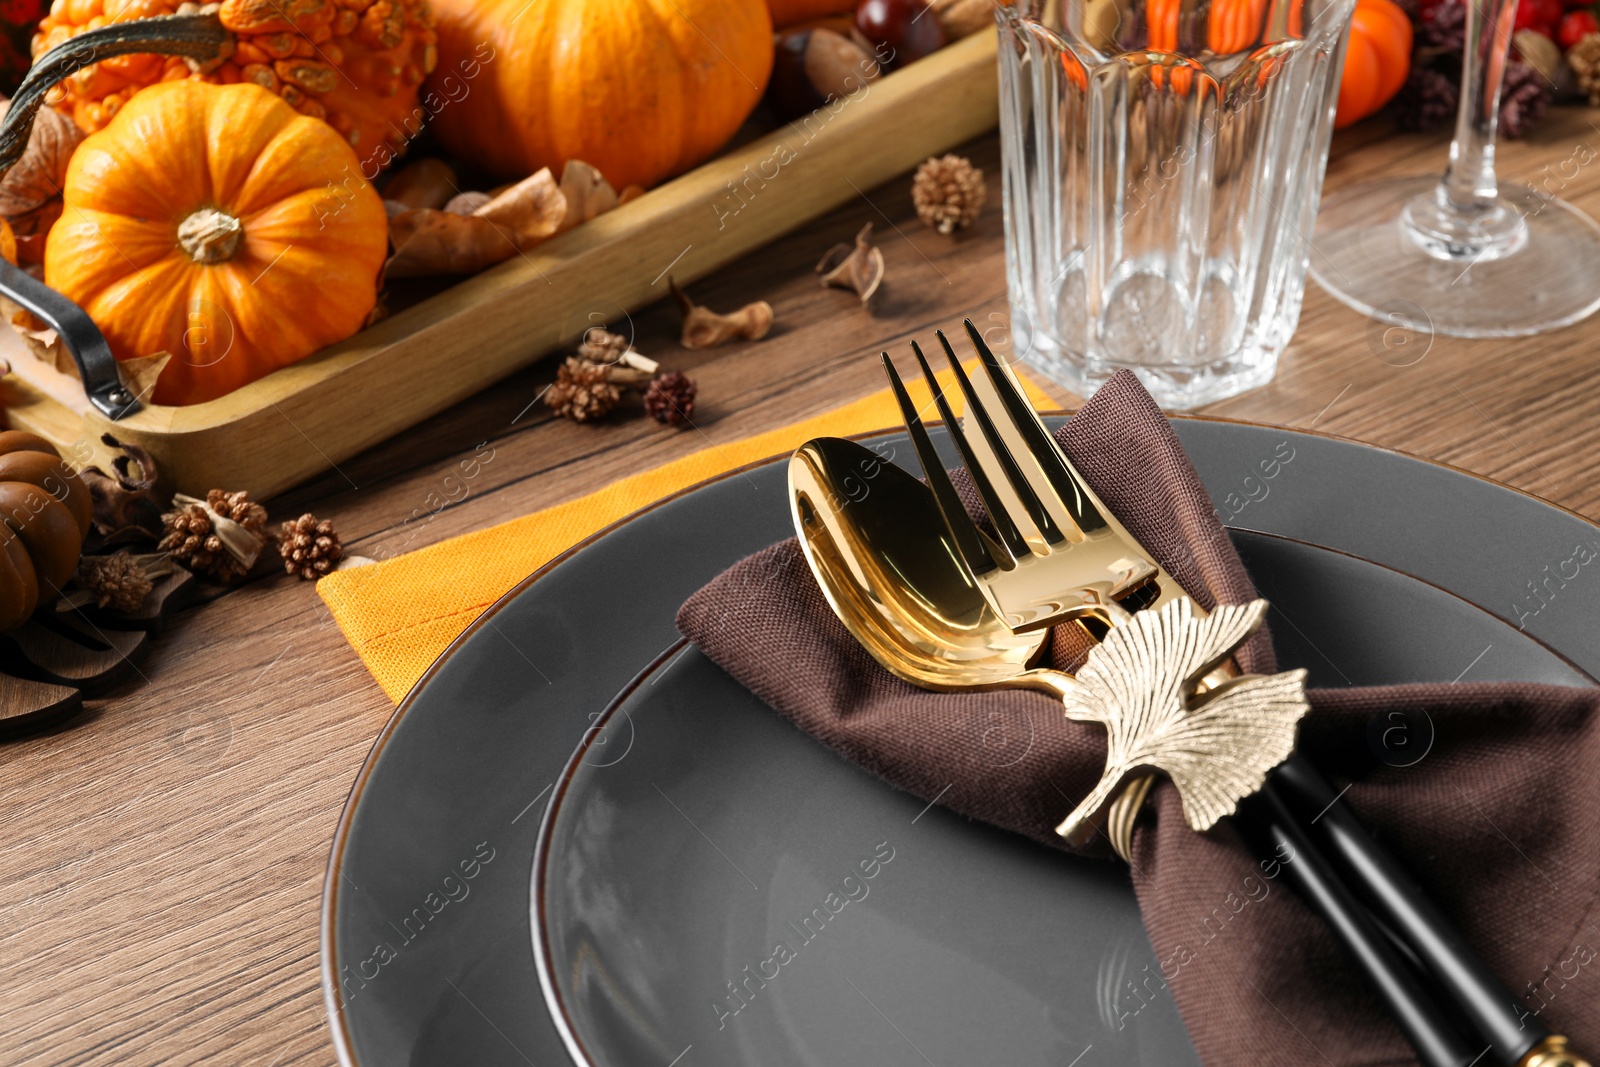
x: 857, y: 267
x: 962, y: 18
x: 814, y: 65
x: 466, y: 203
x: 427, y: 183
x: 704, y: 328
x: 1544, y: 56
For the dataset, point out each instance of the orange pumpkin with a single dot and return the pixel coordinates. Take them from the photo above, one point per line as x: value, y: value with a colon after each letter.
x: 357, y: 63
x: 217, y: 224
x: 1377, y: 60
x: 640, y: 89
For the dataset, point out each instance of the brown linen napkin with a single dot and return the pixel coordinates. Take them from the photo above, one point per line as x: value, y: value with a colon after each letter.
x: 1501, y: 820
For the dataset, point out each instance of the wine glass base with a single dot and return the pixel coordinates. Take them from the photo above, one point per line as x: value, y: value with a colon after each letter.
x: 1534, y: 267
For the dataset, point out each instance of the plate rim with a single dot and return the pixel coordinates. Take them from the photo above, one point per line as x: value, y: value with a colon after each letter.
x: 332, y: 874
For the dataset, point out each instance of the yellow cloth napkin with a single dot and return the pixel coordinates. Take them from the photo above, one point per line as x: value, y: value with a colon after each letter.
x: 401, y: 614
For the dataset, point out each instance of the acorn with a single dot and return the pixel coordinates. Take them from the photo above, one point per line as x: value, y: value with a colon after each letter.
x: 813, y: 65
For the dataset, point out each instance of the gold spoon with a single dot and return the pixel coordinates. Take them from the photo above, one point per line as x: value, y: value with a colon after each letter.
x: 878, y: 547
x: 881, y: 552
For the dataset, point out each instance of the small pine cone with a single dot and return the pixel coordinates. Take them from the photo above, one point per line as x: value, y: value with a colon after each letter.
x: 240, y: 508
x: 1584, y: 59
x: 1524, y: 97
x: 603, y: 346
x: 309, y: 546
x: 1444, y: 26
x: 670, y: 398
x: 582, y: 391
x: 1426, y: 101
x: 189, y: 538
x: 948, y: 192
x: 117, y: 581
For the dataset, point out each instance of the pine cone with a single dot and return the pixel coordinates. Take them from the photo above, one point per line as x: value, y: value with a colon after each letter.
x: 582, y: 391
x: 1427, y: 100
x: 240, y: 508
x: 1584, y: 59
x: 309, y: 547
x: 670, y: 398
x: 1524, y: 96
x: 603, y: 346
x: 1444, y: 26
x: 191, y: 541
x: 117, y: 581
x: 948, y: 192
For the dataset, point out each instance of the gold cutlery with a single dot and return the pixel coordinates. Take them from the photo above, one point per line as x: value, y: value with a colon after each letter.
x: 947, y: 605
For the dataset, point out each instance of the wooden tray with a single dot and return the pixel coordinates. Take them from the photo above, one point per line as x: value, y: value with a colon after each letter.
x: 299, y: 421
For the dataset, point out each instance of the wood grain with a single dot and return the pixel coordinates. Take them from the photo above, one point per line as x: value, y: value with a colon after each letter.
x: 165, y: 852
x: 276, y: 432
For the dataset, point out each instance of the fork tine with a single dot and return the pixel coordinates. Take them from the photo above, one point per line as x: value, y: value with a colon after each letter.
x: 1010, y: 536
x: 1053, y: 462
x: 963, y: 531
x: 1008, y: 464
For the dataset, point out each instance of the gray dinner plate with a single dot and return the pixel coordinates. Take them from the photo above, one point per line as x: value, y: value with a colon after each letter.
x: 693, y: 825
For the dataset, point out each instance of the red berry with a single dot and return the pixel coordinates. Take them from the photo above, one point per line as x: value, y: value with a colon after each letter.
x: 1529, y: 15
x: 1550, y: 12
x: 900, y: 31
x: 1575, y: 25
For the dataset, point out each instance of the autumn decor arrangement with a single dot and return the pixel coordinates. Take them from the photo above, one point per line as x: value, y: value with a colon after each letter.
x: 92, y: 563
x: 605, y: 370
x: 219, y: 225
x: 657, y: 86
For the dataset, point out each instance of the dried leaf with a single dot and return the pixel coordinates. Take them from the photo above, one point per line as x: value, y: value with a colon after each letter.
x: 40, y: 340
x: 533, y: 208
x: 587, y: 191
x: 857, y: 267
x: 704, y: 328
x: 139, y: 374
x: 428, y: 241
x: 427, y: 183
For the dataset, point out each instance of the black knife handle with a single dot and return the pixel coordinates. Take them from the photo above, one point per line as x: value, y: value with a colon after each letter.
x: 1272, y: 830
x: 1483, y: 1000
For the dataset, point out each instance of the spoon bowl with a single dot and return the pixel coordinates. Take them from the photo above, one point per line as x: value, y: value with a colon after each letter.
x: 873, y: 537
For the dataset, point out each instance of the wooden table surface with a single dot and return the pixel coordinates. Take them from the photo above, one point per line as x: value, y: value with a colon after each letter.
x: 163, y: 855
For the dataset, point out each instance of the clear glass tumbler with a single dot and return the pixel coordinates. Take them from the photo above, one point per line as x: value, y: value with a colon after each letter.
x: 1163, y: 161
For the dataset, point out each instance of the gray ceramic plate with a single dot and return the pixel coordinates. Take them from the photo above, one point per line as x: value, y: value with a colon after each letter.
x: 693, y: 823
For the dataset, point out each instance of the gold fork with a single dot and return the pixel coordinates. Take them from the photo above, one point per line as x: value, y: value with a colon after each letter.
x: 1057, y: 554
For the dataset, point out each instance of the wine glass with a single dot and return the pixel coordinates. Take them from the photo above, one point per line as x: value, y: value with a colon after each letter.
x: 1465, y: 254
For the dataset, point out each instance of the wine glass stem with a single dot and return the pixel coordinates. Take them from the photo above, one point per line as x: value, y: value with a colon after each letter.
x: 1468, y: 187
